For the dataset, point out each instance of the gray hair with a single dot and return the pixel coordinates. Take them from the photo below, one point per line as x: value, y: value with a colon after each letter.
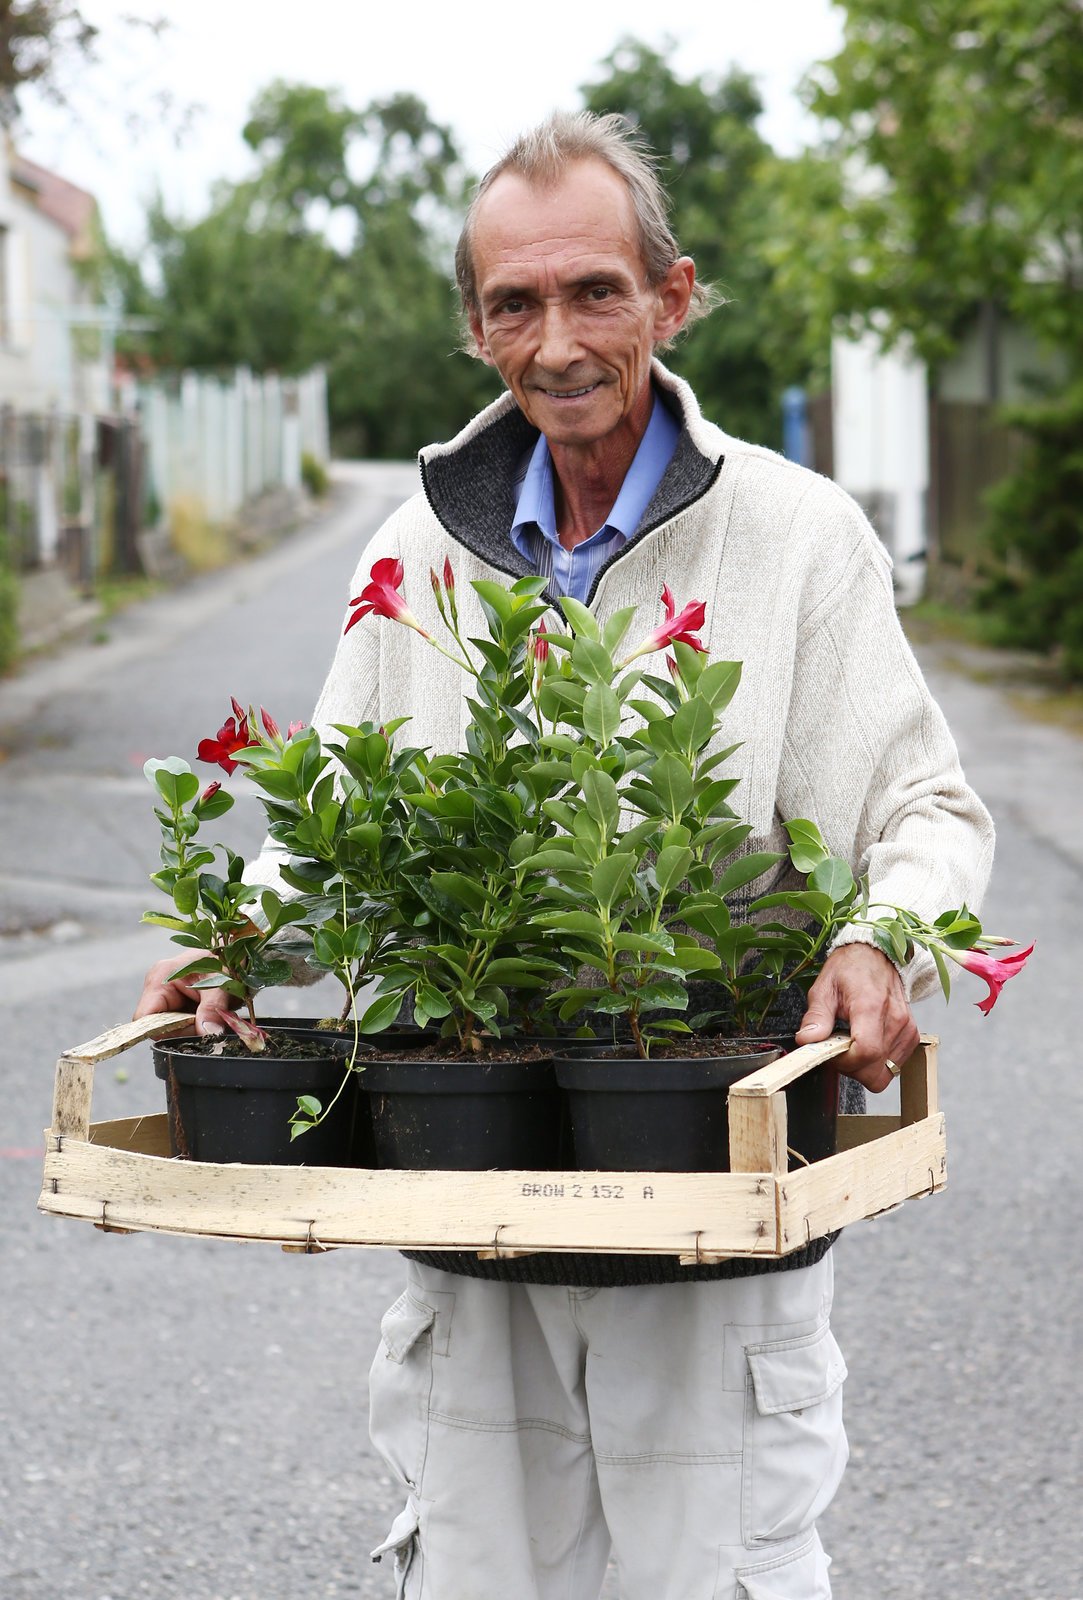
x: 542, y: 156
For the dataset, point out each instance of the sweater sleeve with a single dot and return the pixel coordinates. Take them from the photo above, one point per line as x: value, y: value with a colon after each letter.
x: 868, y: 755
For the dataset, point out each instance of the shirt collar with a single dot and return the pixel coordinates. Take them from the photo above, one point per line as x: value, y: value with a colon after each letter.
x: 536, y: 504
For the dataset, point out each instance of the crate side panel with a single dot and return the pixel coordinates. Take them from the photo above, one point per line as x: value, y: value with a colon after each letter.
x: 862, y: 1182
x: 718, y: 1213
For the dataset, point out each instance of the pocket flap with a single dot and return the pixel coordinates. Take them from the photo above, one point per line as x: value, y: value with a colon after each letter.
x: 795, y: 1373
x: 403, y: 1325
x: 402, y: 1531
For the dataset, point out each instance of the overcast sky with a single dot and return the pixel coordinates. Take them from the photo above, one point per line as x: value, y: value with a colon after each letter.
x: 484, y: 67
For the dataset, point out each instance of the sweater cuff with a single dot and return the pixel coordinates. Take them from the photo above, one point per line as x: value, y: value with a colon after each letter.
x: 918, y: 974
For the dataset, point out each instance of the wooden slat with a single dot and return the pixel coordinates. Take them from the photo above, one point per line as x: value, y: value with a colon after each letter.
x: 768, y: 1080
x: 757, y: 1133
x: 861, y: 1182
x: 649, y: 1213
x: 917, y: 1083
x: 857, y: 1130
x: 163, y: 1025
x: 147, y: 1135
x: 72, y: 1089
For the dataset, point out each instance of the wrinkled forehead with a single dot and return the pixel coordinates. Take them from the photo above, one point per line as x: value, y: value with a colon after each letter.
x: 587, y: 210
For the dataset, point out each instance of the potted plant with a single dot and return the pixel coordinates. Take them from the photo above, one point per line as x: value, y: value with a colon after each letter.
x: 482, y: 1093
x: 231, y: 1098
x: 640, y: 882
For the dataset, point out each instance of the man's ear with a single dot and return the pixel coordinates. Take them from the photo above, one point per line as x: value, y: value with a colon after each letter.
x: 478, y: 332
x: 674, y: 298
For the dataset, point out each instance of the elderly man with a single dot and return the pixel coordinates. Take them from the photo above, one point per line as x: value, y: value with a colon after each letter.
x: 536, y: 1412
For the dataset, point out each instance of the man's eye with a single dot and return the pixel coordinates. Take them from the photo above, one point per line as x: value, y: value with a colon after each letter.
x: 600, y: 291
x: 512, y: 307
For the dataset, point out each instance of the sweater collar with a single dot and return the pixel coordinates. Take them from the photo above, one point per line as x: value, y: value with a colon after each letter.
x: 470, y: 481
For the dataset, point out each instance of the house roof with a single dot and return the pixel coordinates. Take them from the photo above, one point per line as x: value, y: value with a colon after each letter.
x: 71, y: 208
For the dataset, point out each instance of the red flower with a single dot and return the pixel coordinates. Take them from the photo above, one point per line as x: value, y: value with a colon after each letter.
x: 539, y: 645
x: 211, y: 790
x: 995, y: 970
x: 269, y: 724
x: 449, y: 576
x: 232, y: 736
x: 381, y: 596
x: 677, y: 626
x: 680, y: 624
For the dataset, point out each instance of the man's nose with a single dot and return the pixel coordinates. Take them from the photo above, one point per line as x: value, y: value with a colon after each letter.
x: 559, y: 345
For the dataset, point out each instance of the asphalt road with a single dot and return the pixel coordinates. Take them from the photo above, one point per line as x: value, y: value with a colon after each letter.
x: 185, y: 1420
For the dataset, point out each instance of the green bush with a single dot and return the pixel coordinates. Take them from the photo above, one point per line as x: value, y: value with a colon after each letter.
x: 1034, y: 590
x: 9, y: 609
x: 314, y: 475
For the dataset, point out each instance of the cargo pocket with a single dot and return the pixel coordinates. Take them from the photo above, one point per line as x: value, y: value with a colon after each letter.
x: 795, y: 1448
x: 402, y: 1543
x: 800, y: 1575
x: 400, y: 1383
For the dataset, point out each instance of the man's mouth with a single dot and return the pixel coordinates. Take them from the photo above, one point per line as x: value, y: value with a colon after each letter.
x: 570, y: 394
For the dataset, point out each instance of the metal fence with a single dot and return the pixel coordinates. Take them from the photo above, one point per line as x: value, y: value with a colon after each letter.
x: 71, y: 492
x: 222, y: 443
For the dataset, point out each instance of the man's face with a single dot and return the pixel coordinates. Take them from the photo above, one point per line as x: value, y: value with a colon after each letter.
x: 566, y: 314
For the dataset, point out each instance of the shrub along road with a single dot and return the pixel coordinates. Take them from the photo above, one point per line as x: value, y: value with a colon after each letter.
x: 188, y: 1418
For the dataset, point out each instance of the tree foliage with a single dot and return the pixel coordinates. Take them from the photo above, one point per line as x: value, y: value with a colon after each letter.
x: 952, y: 173
x: 34, y: 34
x: 726, y: 185
x: 337, y: 251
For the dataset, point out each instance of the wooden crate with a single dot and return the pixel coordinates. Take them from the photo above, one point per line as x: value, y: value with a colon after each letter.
x: 120, y: 1176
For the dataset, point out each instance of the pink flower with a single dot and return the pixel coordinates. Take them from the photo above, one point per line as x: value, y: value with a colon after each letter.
x: 677, y: 626
x: 680, y: 624
x: 539, y: 645
x: 294, y: 727
x: 269, y: 724
x: 995, y: 970
x: 449, y: 576
x: 381, y: 597
x: 232, y: 736
x: 210, y: 791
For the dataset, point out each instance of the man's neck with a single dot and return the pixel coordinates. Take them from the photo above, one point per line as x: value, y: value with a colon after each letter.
x: 587, y: 478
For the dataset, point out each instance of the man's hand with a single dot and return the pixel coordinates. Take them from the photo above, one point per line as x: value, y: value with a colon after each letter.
x: 163, y: 993
x: 861, y: 987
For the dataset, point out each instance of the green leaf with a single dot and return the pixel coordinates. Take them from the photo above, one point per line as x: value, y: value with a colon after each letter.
x: 745, y: 869
x: 833, y: 878
x: 609, y: 877
x: 671, y: 865
x: 602, y: 799
x: 617, y: 626
x: 718, y: 683
x: 461, y: 888
x: 174, y: 780
x: 693, y: 724
x: 601, y: 715
x: 592, y: 662
x: 671, y: 996
x: 381, y: 1014
x: 579, y: 618
x: 431, y: 1001
x: 186, y: 895
x: 807, y: 848
x: 672, y: 783
x: 495, y: 595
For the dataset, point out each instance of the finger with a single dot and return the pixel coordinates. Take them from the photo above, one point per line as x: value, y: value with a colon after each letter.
x: 819, y: 1019
x: 212, y: 1004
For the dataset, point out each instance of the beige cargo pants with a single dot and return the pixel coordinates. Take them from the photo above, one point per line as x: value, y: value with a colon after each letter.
x: 696, y: 1426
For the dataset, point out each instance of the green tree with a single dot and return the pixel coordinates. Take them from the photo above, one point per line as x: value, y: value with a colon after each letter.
x: 950, y: 186
x: 337, y: 251
x: 726, y: 184
x: 951, y: 177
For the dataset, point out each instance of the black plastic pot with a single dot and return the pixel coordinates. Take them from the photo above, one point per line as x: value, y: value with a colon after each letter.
x: 671, y: 1115
x: 464, y: 1116
x: 237, y: 1108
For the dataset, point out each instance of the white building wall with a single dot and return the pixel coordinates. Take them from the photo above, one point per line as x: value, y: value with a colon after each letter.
x: 880, y: 422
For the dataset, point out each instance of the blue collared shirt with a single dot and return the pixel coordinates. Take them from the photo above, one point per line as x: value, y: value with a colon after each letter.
x: 534, y: 531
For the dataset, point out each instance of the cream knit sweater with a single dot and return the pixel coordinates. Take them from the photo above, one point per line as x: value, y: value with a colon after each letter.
x: 834, y: 717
